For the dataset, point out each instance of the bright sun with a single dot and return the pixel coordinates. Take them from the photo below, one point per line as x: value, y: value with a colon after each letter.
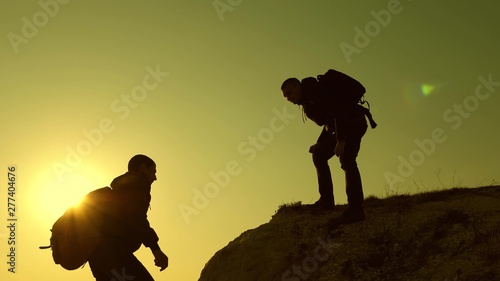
x: 57, y: 196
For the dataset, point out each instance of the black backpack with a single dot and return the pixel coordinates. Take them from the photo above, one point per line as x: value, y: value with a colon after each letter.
x: 345, y: 89
x: 76, y: 234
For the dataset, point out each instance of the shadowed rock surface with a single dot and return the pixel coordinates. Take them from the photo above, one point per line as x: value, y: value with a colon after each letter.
x: 445, y: 235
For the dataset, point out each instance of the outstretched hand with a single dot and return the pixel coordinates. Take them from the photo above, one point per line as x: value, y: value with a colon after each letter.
x: 339, y: 148
x: 161, y: 260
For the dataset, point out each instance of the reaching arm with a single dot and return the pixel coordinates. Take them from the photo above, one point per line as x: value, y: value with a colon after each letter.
x: 161, y: 260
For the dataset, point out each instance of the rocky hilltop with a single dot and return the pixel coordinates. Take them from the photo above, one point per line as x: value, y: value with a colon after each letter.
x: 450, y: 235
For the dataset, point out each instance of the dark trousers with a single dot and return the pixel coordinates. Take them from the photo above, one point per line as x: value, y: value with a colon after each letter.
x: 324, y: 150
x: 110, y: 262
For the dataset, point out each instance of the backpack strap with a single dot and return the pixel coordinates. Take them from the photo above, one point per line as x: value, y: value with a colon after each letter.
x: 367, y: 113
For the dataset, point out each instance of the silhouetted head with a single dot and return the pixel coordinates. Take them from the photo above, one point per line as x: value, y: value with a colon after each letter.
x: 144, y: 165
x: 292, y: 90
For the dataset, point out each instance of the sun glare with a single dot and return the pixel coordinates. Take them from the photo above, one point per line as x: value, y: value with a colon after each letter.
x: 57, y: 196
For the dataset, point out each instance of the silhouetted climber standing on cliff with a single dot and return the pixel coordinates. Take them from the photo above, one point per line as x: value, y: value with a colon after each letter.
x: 127, y: 226
x: 332, y: 101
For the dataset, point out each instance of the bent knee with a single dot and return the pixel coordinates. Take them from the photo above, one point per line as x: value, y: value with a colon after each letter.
x: 348, y: 165
x: 319, y: 160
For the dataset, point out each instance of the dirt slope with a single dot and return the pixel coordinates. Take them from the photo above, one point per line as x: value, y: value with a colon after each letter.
x: 446, y: 235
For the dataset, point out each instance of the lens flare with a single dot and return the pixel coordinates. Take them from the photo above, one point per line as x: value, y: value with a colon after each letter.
x: 416, y: 92
x: 427, y: 89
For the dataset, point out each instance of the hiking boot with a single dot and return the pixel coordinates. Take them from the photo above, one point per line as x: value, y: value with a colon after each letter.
x: 352, y: 215
x: 325, y: 205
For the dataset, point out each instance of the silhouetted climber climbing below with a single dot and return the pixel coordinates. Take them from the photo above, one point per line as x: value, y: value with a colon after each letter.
x: 127, y: 227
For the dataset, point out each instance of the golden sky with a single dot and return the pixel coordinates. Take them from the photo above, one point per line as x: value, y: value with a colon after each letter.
x: 85, y: 85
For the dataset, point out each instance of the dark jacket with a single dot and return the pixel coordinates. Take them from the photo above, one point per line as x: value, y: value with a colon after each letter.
x: 128, y: 222
x: 323, y: 107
